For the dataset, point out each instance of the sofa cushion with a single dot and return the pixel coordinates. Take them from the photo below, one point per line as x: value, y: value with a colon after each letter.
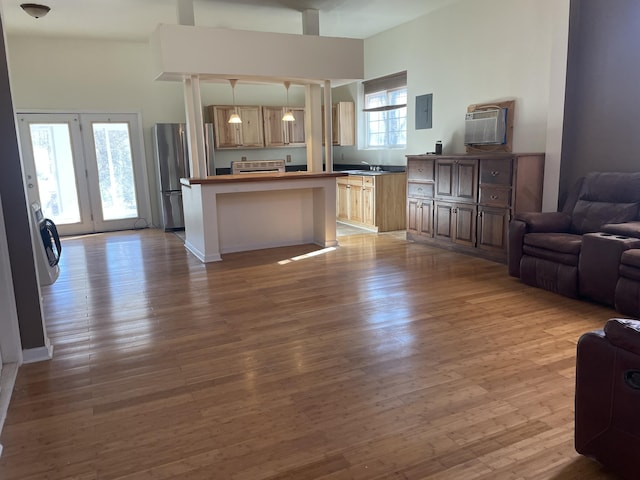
x: 631, y: 257
x: 589, y: 216
x: 631, y: 273
x: 624, y: 333
x: 626, y: 229
x: 557, y: 257
x: 556, y: 242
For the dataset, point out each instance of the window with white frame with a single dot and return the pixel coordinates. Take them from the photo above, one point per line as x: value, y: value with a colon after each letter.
x: 385, y: 111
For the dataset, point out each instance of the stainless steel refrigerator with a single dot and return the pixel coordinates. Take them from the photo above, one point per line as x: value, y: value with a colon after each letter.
x: 172, y: 161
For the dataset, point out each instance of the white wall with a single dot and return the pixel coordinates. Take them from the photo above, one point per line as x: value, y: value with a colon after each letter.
x: 472, y: 52
x: 52, y: 74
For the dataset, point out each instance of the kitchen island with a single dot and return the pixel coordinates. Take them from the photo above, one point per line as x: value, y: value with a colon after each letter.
x: 235, y: 213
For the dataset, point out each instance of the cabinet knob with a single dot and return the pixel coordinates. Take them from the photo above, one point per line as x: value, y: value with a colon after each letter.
x: 420, y: 170
x: 494, y: 197
x: 495, y: 173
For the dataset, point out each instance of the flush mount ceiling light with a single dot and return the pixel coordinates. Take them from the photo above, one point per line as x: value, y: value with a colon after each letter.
x: 234, y: 118
x: 288, y: 115
x: 35, y: 10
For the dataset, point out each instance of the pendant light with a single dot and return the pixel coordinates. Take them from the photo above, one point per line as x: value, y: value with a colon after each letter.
x: 234, y: 118
x: 288, y: 115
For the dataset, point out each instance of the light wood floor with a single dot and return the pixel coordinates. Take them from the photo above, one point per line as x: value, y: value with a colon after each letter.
x: 381, y: 359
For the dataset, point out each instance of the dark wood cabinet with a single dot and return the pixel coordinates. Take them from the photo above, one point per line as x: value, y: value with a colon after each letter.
x: 420, y: 194
x: 420, y: 216
x: 465, y: 202
x: 457, y: 179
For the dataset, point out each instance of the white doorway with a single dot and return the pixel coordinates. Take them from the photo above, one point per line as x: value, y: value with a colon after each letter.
x: 87, y: 171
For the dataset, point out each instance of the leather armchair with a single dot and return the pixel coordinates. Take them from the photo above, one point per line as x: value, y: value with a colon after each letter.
x: 544, y: 248
x: 607, y: 424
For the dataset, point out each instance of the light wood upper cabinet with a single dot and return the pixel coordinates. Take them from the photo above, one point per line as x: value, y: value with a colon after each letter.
x: 251, y: 133
x: 295, y: 130
x: 343, y: 121
x: 226, y: 134
x: 278, y: 133
x: 248, y: 134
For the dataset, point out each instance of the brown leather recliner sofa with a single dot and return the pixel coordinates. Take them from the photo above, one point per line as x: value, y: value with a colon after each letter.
x: 576, y: 252
x: 607, y: 424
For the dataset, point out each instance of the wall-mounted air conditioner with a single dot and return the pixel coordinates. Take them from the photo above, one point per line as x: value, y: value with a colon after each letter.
x: 486, y: 127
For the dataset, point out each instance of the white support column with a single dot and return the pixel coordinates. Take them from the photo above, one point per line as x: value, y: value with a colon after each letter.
x: 195, y: 127
x: 310, y: 22
x: 328, y: 127
x: 313, y: 127
x: 185, y: 12
x: 313, y: 116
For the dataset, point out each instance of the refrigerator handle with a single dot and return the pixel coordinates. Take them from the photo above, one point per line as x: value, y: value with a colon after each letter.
x: 184, y: 154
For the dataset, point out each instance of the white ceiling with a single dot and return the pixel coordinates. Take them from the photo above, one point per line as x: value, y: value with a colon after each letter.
x: 136, y: 19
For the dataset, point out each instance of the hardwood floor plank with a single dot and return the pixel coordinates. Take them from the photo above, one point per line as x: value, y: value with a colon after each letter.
x: 380, y: 359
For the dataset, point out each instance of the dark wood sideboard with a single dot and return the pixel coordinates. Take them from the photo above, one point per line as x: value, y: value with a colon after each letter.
x: 465, y: 202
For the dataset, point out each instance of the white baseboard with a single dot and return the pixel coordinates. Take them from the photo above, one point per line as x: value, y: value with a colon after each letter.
x: 39, y: 354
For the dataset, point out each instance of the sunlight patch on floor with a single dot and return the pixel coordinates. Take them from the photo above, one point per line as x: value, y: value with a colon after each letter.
x: 307, y: 255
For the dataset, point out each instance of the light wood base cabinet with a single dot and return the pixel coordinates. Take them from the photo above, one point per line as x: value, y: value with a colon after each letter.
x: 465, y: 202
x: 375, y: 202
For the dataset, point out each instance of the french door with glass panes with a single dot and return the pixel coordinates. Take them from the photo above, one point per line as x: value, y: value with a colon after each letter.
x: 87, y: 171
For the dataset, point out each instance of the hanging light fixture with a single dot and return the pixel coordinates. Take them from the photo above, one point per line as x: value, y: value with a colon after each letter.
x: 234, y: 118
x: 288, y: 115
x: 35, y: 10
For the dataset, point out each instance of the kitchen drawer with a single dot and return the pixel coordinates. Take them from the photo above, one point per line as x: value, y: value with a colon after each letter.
x: 368, y: 181
x: 420, y: 189
x: 495, y: 171
x: 420, y: 169
x: 355, y: 180
x: 495, y: 196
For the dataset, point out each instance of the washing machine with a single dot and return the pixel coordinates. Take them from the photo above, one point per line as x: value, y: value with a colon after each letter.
x: 47, y: 245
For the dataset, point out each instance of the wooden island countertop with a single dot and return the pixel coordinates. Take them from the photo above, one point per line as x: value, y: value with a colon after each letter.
x: 260, y: 177
x: 251, y: 211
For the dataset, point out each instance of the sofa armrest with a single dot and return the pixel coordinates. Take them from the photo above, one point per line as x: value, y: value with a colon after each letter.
x: 624, y: 333
x: 545, y: 222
